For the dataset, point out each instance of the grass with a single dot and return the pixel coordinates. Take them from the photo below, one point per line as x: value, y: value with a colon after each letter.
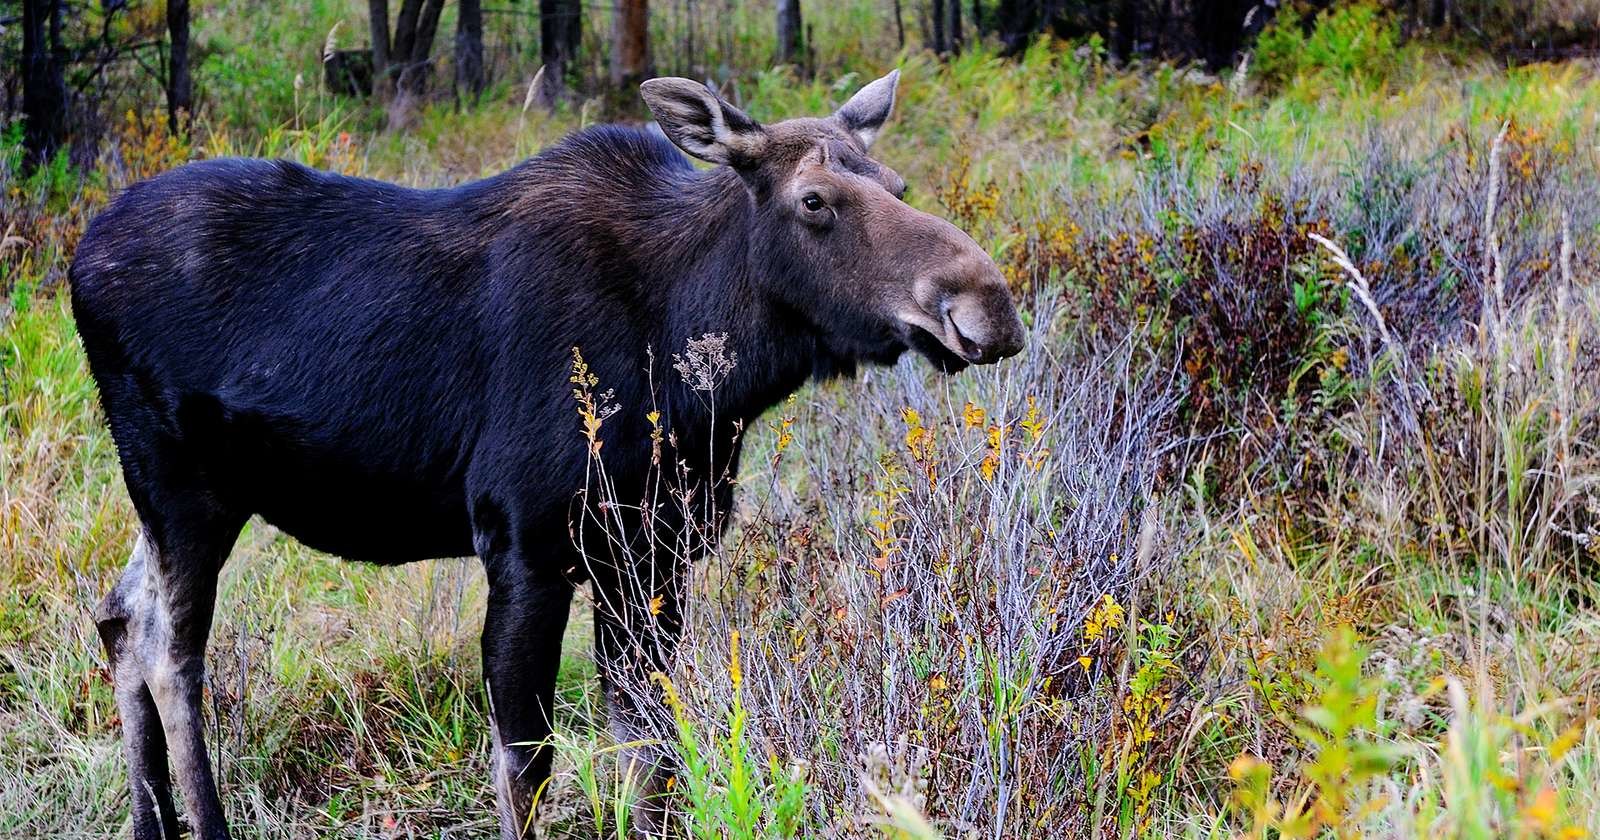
x: 1223, y: 553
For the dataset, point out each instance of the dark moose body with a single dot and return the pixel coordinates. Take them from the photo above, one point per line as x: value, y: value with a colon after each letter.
x: 383, y: 373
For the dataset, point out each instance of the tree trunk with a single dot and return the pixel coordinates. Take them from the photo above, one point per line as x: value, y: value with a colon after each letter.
x: 44, y: 90
x: 899, y: 26
x: 405, y: 37
x: 690, y: 16
x: 1439, y: 14
x: 413, y: 44
x: 630, y: 49
x: 1219, y: 28
x: 418, y: 68
x: 977, y: 19
x: 1017, y: 21
x: 180, y: 88
x: 1127, y: 39
x: 378, y: 26
x: 560, y: 36
x: 469, y: 48
x: 953, y: 28
x: 1163, y: 25
x: 791, y: 40
x: 940, y: 45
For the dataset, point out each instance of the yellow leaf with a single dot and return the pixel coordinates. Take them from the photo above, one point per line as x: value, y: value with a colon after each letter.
x: 1542, y: 810
x: 1565, y: 742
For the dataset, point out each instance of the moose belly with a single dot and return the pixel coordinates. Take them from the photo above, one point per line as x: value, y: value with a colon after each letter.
x: 372, y: 518
x: 363, y: 489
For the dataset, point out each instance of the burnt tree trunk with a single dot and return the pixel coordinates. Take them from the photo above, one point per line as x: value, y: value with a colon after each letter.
x: 940, y: 45
x: 560, y: 36
x: 952, y: 30
x: 469, y: 49
x: 630, y: 47
x: 180, y: 87
x: 44, y: 89
x: 378, y: 26
x: 791, y: 37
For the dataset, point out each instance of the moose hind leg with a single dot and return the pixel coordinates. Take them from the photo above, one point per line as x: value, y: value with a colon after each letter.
x: 151, y: 807
x: 169, y: 607
x: 522, y: 633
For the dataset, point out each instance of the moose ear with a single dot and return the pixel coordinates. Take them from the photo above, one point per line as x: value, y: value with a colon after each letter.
x: 699, y: 122
x: 866, y: 112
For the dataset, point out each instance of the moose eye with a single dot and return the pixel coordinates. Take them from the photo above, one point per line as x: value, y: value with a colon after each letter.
x: 813, y: 203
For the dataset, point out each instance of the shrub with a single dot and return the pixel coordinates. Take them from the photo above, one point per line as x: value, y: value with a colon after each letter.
x: 1356, y: 43
x: 959, y: 587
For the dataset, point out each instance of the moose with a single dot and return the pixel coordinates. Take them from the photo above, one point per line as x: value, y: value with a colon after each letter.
x: 384, y: 374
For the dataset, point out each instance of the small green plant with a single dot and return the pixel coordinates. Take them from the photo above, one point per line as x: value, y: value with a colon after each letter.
x: 729, y: 793
x: 1338, y: 728
x: 1356, y: 43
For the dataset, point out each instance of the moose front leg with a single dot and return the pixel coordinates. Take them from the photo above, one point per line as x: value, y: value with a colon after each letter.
x: 637, y: 624
x: 522, y: 630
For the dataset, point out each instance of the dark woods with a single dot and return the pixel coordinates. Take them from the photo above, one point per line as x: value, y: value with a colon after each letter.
x: 75, y: 65
x: 66, y: 62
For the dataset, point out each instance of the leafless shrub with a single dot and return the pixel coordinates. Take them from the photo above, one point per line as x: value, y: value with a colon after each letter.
x: 907, y: 608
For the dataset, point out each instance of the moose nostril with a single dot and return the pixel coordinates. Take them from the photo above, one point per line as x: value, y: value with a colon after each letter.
x: 970, y: 325
x: 983, y: 327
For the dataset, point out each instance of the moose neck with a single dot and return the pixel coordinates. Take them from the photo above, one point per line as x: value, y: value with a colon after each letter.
x: 700, y: 248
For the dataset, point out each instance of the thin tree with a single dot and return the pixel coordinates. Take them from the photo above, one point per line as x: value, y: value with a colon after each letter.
x: 899, y: 26
x: 791, y: 40
x: 469, y: 49
x: 630, y: 48
x: 1017, y: 22
x: 940, y: 45
x: 1127, y: 26
x: 44, y: 89
x: 690, y: 18
x: 953, y: 26
x: 405, y: 56
x: 405, y: 37
x: 180, y: 87
x: 560, y: 36
x: 378, y: 25
x: 415, y: 76
x: 1220, y: 25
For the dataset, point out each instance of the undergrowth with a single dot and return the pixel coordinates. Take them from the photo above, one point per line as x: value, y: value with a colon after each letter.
x: 1285, y: 524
